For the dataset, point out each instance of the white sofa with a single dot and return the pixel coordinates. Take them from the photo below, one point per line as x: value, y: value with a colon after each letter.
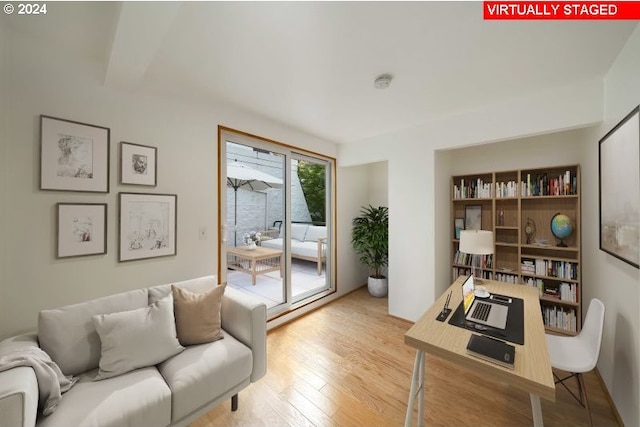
x: 172, y: 393
x: 308, y: 242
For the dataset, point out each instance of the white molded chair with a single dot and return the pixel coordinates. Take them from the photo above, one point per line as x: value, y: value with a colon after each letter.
x: 579, y: 354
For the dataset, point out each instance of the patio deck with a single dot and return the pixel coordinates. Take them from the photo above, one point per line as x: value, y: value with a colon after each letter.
x: 268, y: 287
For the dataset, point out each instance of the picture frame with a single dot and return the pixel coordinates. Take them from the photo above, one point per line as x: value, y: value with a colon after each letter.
x: 74, y: 156
x: 81, y: 229
x: 473, y: 217
x: 138, y: 164
x: 619, y: 189
x: 458, y: 226
x: 148, y: 224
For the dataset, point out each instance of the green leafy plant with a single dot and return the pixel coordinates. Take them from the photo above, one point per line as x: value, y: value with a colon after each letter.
x: 312, y: 180
x: 370, y: 238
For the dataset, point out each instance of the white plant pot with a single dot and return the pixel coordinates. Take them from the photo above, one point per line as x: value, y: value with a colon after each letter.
x: 378, y: 287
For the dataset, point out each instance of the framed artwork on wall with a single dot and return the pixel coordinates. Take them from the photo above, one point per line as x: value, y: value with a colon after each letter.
x: 458, y: 226
x: 81, y: 229
x: 138, y: 164
x: 619, y: 172
x: 473, y: 217
x: 74, y: 156
x: 147, y: 225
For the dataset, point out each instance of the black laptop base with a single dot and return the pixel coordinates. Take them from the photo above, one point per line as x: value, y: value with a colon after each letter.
x: 514, y: 331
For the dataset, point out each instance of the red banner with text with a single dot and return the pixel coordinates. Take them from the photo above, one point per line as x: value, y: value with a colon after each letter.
x: 567, y: 10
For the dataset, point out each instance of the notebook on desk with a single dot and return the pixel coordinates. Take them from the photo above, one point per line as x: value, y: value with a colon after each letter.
x: 482, y: 311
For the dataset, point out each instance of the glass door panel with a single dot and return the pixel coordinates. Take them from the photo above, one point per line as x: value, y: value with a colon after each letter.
x: 255, y: 212
x: 310, y: 216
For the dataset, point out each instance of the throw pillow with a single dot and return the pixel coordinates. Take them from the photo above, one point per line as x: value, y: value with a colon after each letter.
x: 136, y: 338
x: 197, y: 315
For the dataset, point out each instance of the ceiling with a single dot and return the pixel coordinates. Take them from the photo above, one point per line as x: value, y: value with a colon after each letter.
x: 311, y: 65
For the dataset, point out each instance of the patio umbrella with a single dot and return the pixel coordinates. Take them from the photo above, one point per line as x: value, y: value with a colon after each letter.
x: 242, y: 176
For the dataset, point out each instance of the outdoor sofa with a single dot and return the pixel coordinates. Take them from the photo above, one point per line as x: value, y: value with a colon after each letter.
x: 308, y: 242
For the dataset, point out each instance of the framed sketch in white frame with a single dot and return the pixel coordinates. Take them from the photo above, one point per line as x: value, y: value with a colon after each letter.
x: 74, y: 156
x: 147, y: 225
x: 81, y: 229
x: 138, y: 164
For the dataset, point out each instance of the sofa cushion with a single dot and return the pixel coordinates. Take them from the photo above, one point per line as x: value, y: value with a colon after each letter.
x: 298, y: 231
x: 136, y: 338
x: 198, y: 285
x: 315, y: 232
x: 140, y: 398
x: 68, y: 335
x: 203, y: 372
x: 197, y: 315
x: 307, y: 249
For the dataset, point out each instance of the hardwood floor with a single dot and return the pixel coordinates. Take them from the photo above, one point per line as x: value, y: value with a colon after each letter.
x: 346, y: 364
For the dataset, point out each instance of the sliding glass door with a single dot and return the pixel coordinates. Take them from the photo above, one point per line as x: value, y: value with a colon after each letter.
x: 276, y: 221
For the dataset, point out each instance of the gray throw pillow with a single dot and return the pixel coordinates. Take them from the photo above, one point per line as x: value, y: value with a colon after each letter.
x: 136, y: 338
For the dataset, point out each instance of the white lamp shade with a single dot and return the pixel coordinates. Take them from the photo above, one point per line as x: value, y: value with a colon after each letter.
x: 476, y: 242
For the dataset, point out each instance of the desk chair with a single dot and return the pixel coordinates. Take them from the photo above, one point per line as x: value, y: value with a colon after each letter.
x: 579, y: 354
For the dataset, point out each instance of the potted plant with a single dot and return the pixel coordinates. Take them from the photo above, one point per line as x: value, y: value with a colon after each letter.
x: 370, y: 239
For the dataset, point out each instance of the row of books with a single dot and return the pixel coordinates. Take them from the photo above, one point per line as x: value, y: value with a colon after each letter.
x: 479, y: 261
x: 472, y: 189
x: 462, y: 271
x: 544, y: 185
x: 560, y: 317
x: 507, y: 189
x: 562, y: 291
x: 549, y: 268
x: 509, y: 278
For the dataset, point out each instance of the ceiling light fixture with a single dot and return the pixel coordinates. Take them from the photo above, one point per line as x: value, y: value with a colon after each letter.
x: 382, y: 82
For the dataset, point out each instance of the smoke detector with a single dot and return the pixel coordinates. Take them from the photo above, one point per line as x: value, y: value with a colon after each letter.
x: 382, y: 82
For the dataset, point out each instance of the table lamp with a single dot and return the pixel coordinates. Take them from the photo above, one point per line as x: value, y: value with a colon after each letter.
x: 476, y: 242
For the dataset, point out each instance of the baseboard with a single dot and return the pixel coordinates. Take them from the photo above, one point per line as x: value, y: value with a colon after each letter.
x: 616, y: 414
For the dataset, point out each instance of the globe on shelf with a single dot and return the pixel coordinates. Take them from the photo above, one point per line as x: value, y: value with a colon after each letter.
x: 561, y: 227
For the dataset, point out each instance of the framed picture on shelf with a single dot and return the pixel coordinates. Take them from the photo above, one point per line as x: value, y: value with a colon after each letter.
x: 458, y: 225
x: 138, y: 164
x: 147, y: 225
x: 74, y: 156
x: 619, y: 172
x: 81, y: 229
x: 473, y: 217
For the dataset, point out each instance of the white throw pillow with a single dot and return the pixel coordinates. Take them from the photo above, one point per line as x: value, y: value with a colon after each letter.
x: 136, y: 338
x: 314, y: 232
x: 298, y: 231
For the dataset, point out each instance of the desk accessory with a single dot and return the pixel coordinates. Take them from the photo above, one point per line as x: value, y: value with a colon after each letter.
x: 442, y: 316
x: 492, y: 350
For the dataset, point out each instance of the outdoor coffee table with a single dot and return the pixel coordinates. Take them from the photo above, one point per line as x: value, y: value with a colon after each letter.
x: 255, y: 261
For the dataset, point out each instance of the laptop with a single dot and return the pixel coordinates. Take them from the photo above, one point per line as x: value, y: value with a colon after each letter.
x: 480, y: 311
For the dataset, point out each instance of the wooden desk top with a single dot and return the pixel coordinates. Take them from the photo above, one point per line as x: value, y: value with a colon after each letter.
x: 532, y: 367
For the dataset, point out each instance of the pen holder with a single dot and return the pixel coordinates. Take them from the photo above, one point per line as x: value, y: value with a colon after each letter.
x: 442, y: 316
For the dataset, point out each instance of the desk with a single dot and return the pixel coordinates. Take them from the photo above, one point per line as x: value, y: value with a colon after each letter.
x: 254, y: 262
x: 532, y: 367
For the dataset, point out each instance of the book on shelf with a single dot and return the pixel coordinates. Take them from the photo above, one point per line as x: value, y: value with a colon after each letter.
x: 506, y: 189
x: 560, y: 318
x: 472, y: 189
x: 479, y: 261
x: 544, y: 185
x: 492, y: 350
x: 506, y: 277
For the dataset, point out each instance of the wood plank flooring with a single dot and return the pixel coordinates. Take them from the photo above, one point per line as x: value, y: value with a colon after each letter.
x: 346, y: 364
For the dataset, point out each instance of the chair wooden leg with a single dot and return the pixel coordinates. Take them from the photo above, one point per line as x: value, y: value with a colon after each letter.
x: 583, y: 394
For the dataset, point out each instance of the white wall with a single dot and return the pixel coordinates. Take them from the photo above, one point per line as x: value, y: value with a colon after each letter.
x: 40, y: 79
x: 614, y: 282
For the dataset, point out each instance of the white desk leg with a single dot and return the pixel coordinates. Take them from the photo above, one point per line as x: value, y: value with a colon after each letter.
x: 536, y: 408
x: 417, y: 390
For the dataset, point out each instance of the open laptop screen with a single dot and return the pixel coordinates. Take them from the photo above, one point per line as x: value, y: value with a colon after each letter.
x: 467, y: 293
